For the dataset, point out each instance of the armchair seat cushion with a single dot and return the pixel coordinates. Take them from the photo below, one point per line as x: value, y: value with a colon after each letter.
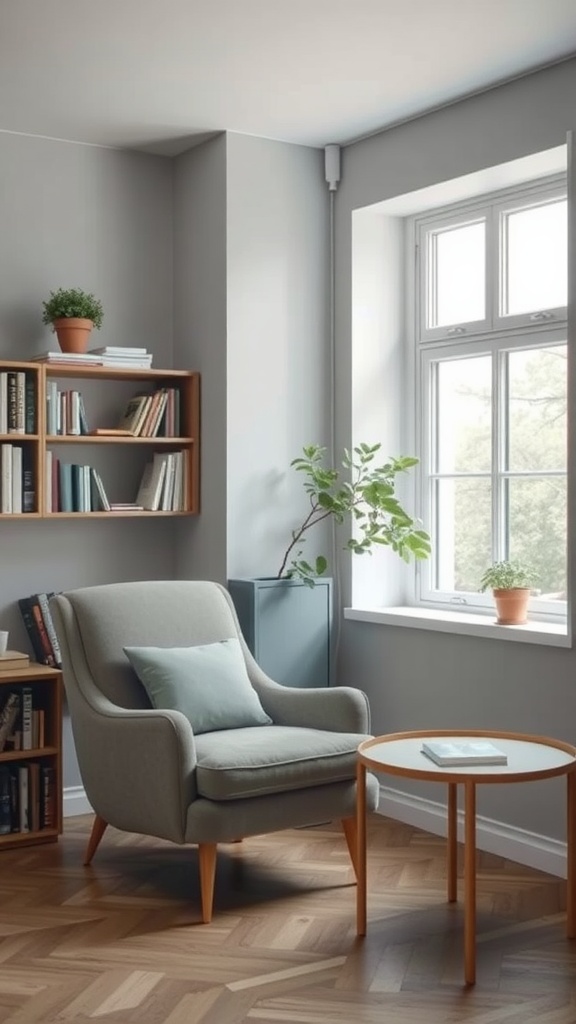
x: 239, y: 763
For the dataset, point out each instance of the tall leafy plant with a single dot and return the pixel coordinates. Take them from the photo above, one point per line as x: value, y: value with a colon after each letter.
x: 364, y: 497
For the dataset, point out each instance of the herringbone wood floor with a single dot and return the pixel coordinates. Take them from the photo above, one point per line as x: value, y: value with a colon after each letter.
x: 121, y: 941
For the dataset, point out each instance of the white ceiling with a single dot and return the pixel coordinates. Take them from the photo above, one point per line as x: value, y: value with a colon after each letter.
x: 162, y: 74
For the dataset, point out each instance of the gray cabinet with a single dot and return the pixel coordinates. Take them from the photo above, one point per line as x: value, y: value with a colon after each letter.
x: 287, y: 627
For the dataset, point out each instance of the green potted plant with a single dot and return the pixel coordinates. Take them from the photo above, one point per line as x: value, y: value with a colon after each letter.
x: 286, y: 619
x: 511, y: 583
x: 72, y: 313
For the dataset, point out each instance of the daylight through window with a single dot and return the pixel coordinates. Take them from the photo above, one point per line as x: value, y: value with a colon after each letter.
x: 490, y: 332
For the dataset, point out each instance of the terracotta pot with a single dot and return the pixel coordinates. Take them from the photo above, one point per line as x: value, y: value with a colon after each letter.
x: 511, y: 606
x: 73, y: 333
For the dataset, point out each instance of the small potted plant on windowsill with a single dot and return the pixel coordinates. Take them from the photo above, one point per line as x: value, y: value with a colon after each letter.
x: 511, y: 583
x: 72, y: 314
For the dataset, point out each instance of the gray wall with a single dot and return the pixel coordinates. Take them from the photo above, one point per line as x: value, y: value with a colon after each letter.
x: 200, y: 343
x: 278, y: 343
x: 417, y: 678
x: 251, y: 274
x: 100, y: 220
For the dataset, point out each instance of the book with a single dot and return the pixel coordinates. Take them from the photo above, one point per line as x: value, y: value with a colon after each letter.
x: 119, y: 350
x: 5, y: 801
x: 30, y: 403
x: 8, y: 716
x: 65, y: 492
x: 152, y: 483
x: 134, y: 413
x: 25, y: 606
x: 23, y: 807
x: 463, y: 752
x: 14, y: 801
x: 131, y: 362
x: 4, y: 402
x: 44, y: 602
x: 99, y: 497
x: 47, y: 797
x: 34, y: 795
x: 110, y: 432
x: 28, y: 481
x: 6, y: 477
x: 16, y: 478
x: 13, y: 659
x: 37, y: 631
x: 12, y: 401
x: 26, y: 696
x: 68, y: 357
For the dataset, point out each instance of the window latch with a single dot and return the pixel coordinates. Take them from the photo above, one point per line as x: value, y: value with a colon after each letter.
x: 541, y: 316
x: 456, y: 330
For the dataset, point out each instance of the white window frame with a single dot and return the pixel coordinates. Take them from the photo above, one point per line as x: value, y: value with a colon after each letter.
x: 495, y: 334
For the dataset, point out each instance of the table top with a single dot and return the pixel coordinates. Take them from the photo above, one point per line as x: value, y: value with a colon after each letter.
x: 529, y: 757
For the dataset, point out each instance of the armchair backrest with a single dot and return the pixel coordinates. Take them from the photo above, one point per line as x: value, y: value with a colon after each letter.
x: 96, y: 623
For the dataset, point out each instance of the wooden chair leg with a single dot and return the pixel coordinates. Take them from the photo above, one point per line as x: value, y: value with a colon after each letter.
x: 351, y: 835
x: 98, y: 829
x: 207, y: 866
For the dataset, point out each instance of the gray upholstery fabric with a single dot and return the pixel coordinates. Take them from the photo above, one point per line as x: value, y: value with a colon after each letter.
x: 141, y: 766
x: 253, y: 762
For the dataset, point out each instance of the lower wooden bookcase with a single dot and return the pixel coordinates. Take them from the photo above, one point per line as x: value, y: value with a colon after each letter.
x: 30, y: 756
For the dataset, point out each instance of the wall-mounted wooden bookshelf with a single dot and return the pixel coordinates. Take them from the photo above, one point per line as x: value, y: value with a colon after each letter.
x: 36, y: 482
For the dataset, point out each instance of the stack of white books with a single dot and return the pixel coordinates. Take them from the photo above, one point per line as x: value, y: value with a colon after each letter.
x: 83, y: 358
x: 119, y: 355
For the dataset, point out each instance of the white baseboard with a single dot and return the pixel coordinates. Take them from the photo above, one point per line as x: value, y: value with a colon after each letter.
x: 75, y: 802
x: 515, y: 844
x: 495, y: 837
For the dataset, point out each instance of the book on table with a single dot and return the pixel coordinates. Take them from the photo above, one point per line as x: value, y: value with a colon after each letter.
x: 463, y: 752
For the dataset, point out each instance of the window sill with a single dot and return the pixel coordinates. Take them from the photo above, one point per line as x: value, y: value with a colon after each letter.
x: 465, y: 624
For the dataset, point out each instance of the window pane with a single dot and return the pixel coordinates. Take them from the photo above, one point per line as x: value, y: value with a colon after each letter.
x: 537, y: 409
x: 463, y: 546
x: 535, y: 275
x: 464, y: 417
x: 456, y: 282
x: 537, y: 524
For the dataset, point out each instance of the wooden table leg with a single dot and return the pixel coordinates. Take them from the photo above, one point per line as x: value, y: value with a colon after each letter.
x: 452, y: 849
x: 470, y: 883
x: 361, y: 851
x: 570, y: 854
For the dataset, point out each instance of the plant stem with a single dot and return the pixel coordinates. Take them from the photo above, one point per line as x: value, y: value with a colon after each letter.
x: 296, y: 536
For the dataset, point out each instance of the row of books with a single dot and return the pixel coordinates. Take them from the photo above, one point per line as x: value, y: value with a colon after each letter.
x: 17, y: 487
x: 148, y: 414
x: 153, y: 414
x: 21, y: 724
x: 71, y: 487
x: 37, y: 617
x: 164, y: 483
x: 17, y: 402
x: 65, y: 412
x: 108, y: 355
x: 28, y: 798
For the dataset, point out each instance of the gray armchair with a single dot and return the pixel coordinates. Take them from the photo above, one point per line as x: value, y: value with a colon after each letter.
x: 145, y: 770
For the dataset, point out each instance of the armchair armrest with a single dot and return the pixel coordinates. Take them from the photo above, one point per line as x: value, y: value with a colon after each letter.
x: 338, y: 708
x: 138, y: 767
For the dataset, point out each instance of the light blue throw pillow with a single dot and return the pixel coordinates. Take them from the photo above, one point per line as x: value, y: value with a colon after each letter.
x: 208, y: 683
